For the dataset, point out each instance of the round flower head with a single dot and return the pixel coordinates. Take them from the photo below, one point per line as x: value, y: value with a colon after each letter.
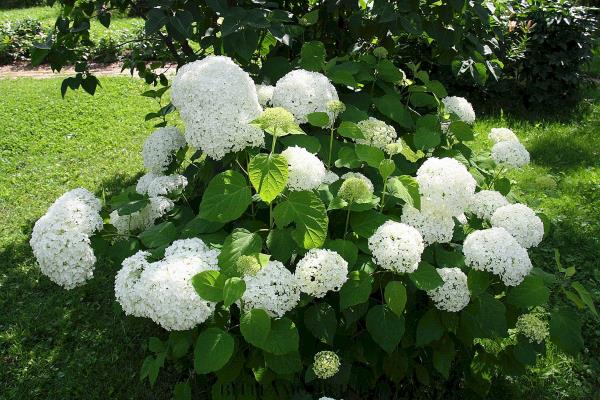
x: 126, y: 284
x: 435, y: 228
x: 460, y: 107
x: 304, y: 92
x: 273, y: 289
x: 166, y: 184
x: 336, y: 107
x: 454, y: 294
x: 394, y: 148
x: 145, y: 180
x: 326, y: 364
x: 142, y: 219
x: 277, y: 121
x: 356, y: 190
x: 396, y: 247
x: 265, y: 94
x: 532, y: 327
x: 376, y: 133
x: 498, y: 135
x: 193, y: 248
x: 78, y: 210
x: 496, y: 251
x: 216, y: 100
x: 521, y: 222
x: 160, y: 147
x: 445, y: 185
x: 512, y: 154
x: 484, y: 203
x: 247, y: 265
x: 305, y: 170
x: 321, y: 271
x: 358, y: 175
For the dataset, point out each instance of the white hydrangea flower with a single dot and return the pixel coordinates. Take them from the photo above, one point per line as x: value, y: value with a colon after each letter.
x: 303, y: 92
x: 435, y: 228
x: 159, y: 148
x: 305, y: 170
x: 142, y: 219
x: 377, y: 133
x: 513, y: 154
x: 330, y: 177
x: 454, y: 294
x: 320, y: 271
x: 217, y: 99
x: 397, y: 247
x: 349, y: 175
x: 462, y: 218
x: 273, y: 289
x: 533, y: 328
x: 326, y: 398
x: 145, y: 180
x: 445, y: 185
x: 166, y: 184
x: 265, y: 95
x: 61, y: 238
x: 496, y: 251
x: 498, y: 135
x: 326, y: 364
x: 127, y: 290
x: 521, y: 222
x: 484, y: 203
x: 460, y: 107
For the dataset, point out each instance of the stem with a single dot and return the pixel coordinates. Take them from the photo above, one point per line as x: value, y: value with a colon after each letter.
x: 382, y: 197
x: 330, y: 147
x: 271, y: 215
x: 347, y: 221
x: 273, y: 145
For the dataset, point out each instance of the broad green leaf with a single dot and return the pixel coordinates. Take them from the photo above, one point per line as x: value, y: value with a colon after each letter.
x: 281, y: 244
x: 226, y: 197
x: 132, y: 206
x: 318, y: 119
x: 462, y: 131
x: 159, y: 235
x: 255, y: 326
x: 443, y: 354
x: 503, y: 186
x: 268, y: 174
x: 437, y: 88
x: 565, y: 331
x: 347, y: 158
x: 306, y: 210
x: 240, y: 243
x: 198, y: 226
x: 209, y: 285
x: 405, y: 188
x: 484, y: 317
x: 423, y: 100
x: 284, y: 364
x: 524, y: 351
x: 425, y: 138
x: 309, y: 18
x: 391, y: 106
x: 233, y: 290
x: 426, y: 277
x: 387, y: 71
x: 350, y: 130
x: 283, y: 337
x: 385, y: 327
x: 429, y: 328
x: 585, y: 296
x: 356, y: 290
x: 182, y: 391
x: 312, y: 56
x: 344, y: 248
x: 386, y: 168
x: 369, y: 154
x: 214, y: 347
x: 478, y: 282
x: 310, y: 143
x: 366, y: 223
x: 321, y: 321
x: 395, y: 297
x: 530, y: 293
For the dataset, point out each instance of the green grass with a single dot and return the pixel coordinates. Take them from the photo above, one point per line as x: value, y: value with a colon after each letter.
x: 57, y: 344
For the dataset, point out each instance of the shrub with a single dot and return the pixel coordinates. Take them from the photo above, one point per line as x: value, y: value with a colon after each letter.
x: 17, y: 38
x: 337, y: 246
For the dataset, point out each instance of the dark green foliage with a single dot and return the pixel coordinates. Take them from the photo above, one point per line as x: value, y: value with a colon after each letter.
x: 17, y: 38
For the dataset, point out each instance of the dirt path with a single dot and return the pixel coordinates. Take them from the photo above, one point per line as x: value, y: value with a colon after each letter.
x: 25, y: 70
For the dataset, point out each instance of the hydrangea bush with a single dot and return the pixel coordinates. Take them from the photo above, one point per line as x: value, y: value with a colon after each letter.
x: 319, y: 239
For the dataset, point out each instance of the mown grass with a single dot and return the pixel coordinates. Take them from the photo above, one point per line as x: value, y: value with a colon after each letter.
x: 57, y: 344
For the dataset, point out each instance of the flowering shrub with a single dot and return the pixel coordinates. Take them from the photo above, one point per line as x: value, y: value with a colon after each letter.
x: 345, y: 240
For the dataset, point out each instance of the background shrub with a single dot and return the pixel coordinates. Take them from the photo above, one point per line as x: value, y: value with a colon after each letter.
x: 17, y: 38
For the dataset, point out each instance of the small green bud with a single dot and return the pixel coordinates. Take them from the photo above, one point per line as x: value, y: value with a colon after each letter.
x: 355, y: 190
x: 326, y: 364
x: 380, y: 52
x: 247, y: 265
x: 336, y: 107
x: 394, y: 148
x: 277, y: 121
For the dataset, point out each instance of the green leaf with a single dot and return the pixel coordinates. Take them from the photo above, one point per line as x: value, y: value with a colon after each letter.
x: 38, y: 56
x: 310, y: 143
x: 156, y: 19
x: 585, y: 296
x: 132, y: 206
x: 420, y: 99
x: 366, y: 223
x: 268, y: 174
x: 437, y: 88
x: 347, y: 158
x: 321, y: 321
x: 255, y: 326
x: 283, y: 337
x: 405, y: 188
x: 426, y: 138
x: 391, y: 106
x: 478, y: 282
x: 462, y: 131
x: 233, y: 290
x: 426, y: 277
x: 312, y: 56
x: 306, y: 210
x: 309, y: 18
x: 565, y: 331
x: 240, y: 243
x: 429, y: 328
x: 395, y: 297
x: 484, y: 317
x: 284, y: 364
x: 318, y: 119
x: 209, y: 285
x: 356, y: 290
x: 344, y: 248
x: 226, y: 197
x: 198, y: 226
x: 387, y: 71
x: 503, y: 186
x: 385, y: 327
x: 350, y: 130
x: 371, y: 155
x: 386, y: 168
x: 182, y: 391
x: 281, y: 244
x: 214, y: 347
x: 530, y: 293
x: 443, y: 355
x: 159, y: 235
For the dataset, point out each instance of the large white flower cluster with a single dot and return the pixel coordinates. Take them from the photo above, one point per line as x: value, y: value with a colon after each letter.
x: 142, y: 219
x: 434, y: 227
x: 496, y: 251
x: 376, y: 133
x: 454, y: 294
x: 265, y: 95
x: 159, y: 148
x: 321, y: 271
x: 163, y: 290
x: 164, y: 185
x: 445, y: 186
x: 305, y: 170
x: 498, y: 135
x: 460, y: 107
x: 510, y: 153
x: 273, y: 289
x: 397, y: 247
x: 61, y: 238
x: 521, y: 222
x: 484, y: 203
x: 217, y: 99
x: 304, y: 92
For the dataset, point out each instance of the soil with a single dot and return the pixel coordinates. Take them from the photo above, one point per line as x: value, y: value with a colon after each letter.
x: 24, y: 69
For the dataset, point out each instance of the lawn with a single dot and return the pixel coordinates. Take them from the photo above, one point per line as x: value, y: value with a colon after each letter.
x: 57, y: 344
